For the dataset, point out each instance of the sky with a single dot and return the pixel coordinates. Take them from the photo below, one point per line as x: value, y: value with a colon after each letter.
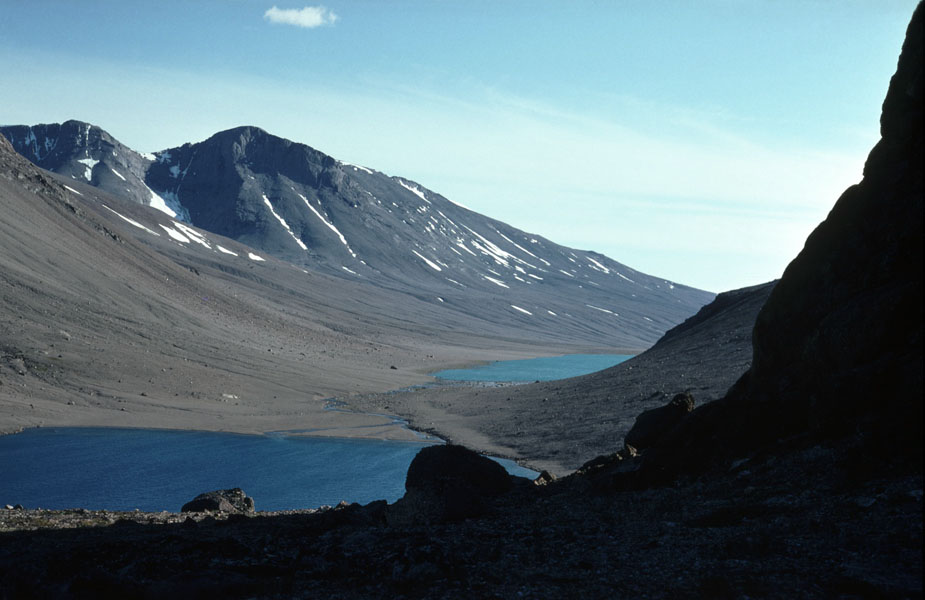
x: 696, y: 140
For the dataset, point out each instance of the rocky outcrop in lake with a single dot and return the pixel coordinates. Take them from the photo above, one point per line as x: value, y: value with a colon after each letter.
x: 233, y: 500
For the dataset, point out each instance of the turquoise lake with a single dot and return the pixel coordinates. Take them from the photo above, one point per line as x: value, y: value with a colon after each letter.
x: 535, y: 369
x: 154, y: 470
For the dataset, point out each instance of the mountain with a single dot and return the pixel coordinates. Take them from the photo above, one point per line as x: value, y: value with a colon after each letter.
x: 87, y: 153
x: 805, y: 480
x: 293, y: 202
x: 114, y: 313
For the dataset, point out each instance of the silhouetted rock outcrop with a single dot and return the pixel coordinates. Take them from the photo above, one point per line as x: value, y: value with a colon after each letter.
x: 652, y: 424
x: 838, y: 345
x: 448, y: 483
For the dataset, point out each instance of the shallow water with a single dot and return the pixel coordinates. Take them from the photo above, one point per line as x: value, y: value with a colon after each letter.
x: 154, y: 470
x: 546, y: 368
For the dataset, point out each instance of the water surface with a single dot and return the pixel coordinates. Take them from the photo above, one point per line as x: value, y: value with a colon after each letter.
x: 153, y: 470
x: 547, y: 368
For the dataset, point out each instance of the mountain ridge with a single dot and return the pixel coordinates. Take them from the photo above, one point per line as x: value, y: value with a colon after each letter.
x: 303, y: 206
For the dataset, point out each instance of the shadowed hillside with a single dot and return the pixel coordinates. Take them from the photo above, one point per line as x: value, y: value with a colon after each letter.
x: 293, y: 202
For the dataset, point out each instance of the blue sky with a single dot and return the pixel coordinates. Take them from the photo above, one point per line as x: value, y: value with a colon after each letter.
x: 696, y: 140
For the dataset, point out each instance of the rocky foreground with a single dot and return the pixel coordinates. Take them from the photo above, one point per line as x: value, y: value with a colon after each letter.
x: 754, y: 530
x: 804, y: 480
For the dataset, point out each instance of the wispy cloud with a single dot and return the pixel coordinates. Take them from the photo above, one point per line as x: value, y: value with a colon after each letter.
x: 308, y: 17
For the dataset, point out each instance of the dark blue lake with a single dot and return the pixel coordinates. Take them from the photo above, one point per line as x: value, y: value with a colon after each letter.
x: 154, y: 470
x: 546, y: 368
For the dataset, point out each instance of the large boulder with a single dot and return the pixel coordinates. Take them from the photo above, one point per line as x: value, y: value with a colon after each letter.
x: 233, y: 500
x: 449, y: 483
x: 654, y: 423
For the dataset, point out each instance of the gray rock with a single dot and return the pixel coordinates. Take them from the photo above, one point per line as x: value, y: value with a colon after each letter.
x: 231, y: 501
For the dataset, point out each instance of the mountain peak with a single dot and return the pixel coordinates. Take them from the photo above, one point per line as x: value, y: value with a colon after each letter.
x: 248, y: 131
x: 291, y: 201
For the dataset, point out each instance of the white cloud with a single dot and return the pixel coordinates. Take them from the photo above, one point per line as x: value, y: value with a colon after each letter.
x: 308, y: 17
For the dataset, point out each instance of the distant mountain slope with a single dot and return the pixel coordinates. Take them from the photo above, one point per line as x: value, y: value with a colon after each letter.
x: 87, y: 153
x: 298, y: 204
x: 558, y: 425
x: 113, y: 313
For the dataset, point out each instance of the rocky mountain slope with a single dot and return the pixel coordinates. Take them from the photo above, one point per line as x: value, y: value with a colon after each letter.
x: 557, y: 425
x: 86, y: 153
x: 115, y: 313
x: 293, y: 202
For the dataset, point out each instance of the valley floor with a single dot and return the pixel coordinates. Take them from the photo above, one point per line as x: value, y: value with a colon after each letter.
x: 559, y: 425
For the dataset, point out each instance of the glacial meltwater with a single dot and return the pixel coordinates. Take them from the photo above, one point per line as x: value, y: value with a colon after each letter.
x: 546, y: 368
x: 154, y: 470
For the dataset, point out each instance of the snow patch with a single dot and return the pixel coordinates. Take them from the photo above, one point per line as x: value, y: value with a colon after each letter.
x: 224, y: 250
x: 609, y: 312
x: 175, y: 234
x: 283, y: 223
x: 492, y: 250
x: 430, y: 263
x: 356, y: 167
x: 518, y: 246
x: 598, y: 266
x: 117, y: 174
x: 552, y: 313
x: 89, y: 163
x: 193, y: 234
x: 523, y: 310
x: 462, y: 244
x: 173, y: 202
x: 157, y: 202
x: 495, y: 281
x: 253, y: 256
x: 70, y: 189
x: 414, y: 190
x: 129, y: 221
x: 350, y: 270
x: 329, y: 225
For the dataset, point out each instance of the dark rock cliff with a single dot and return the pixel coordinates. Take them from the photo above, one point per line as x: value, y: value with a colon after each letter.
x: 838, y: 345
